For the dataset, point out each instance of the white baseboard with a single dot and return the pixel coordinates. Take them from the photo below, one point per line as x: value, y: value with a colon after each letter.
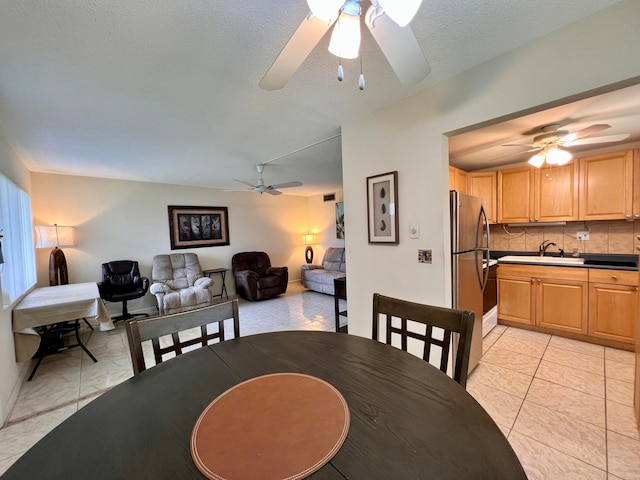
x: 489, y: 320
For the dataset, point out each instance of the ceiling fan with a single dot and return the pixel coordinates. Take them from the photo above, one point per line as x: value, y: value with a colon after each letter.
x: 551, y: 142
x: 387, y: 20
x: 262, y: 188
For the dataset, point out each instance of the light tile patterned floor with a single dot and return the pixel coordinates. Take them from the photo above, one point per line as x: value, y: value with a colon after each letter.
x: 565, y: 406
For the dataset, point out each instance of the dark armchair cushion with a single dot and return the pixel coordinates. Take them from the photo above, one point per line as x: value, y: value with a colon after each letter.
x: 255, y: 278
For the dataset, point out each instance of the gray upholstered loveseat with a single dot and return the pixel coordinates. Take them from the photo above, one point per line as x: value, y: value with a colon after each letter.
x: 320, y: 277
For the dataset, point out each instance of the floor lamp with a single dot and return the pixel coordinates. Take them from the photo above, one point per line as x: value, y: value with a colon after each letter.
x: 56, y: 236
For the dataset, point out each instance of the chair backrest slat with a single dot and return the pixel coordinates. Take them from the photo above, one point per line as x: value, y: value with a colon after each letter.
x: 139, y: 331
x: 447, y: 319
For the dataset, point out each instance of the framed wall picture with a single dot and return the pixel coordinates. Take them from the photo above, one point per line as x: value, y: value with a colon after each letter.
x: 382, y: 208
x: 194, y: 227
x: 340, y: 220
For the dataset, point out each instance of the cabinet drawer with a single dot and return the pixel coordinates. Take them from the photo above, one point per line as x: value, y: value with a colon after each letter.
x: 560, y: 273
x: 617, y: 277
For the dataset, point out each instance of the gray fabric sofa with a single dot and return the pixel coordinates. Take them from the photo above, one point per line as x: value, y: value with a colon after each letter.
x: 319, y: 278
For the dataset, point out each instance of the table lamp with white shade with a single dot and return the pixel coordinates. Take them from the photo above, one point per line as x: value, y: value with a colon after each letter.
x: 309, y: 239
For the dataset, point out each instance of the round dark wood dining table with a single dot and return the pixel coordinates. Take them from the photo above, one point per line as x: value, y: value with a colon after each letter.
x: 408, y: 420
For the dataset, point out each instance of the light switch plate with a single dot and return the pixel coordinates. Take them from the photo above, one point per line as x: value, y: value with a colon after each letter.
x: 414, y: 230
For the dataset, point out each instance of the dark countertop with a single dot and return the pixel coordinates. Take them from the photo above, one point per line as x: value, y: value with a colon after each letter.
x: 591, y: 260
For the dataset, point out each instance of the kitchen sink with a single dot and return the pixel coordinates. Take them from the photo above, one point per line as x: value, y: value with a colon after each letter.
x: 543, y: 260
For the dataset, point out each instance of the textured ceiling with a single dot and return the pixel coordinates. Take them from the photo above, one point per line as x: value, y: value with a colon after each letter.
x: 167, y: 91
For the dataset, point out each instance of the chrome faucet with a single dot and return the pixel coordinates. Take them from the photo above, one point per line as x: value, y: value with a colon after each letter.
x: 543, y: 247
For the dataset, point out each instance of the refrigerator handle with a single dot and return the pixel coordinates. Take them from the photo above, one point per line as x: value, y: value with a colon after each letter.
x: 486, y: 254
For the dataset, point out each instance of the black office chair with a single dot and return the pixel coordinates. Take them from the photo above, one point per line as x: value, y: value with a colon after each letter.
x: 121, y: 281
x: 408, y: 313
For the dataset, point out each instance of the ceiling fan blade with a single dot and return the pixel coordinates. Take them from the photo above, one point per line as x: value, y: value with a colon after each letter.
x: 299, y: 46
x: 399, y: 46
x: 274, y: 192
x: 585, y: 132
x: 517, y: 145
x: 242, y: 181
x: 602, y: 139
x: 287, y: 185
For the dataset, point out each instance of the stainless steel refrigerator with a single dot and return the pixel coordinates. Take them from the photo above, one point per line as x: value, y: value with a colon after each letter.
x: 469, y: 248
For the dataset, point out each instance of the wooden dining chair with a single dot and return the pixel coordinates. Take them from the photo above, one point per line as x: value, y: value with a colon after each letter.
x: 142, y: 330
x: 415, y: 315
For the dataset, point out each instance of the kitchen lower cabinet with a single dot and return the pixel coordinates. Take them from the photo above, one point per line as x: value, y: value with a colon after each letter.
x: 598, y: 305
x: 549, y: 297
x: 613, y: 304
x: 562, y: 304
x: 515, y: 298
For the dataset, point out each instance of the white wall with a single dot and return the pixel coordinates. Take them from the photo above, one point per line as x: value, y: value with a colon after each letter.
x: 10, y: 372
x: 410, y: 137
x: 118, y: 220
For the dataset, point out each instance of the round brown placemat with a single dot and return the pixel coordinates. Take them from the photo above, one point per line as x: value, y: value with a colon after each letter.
x: 280, y: 426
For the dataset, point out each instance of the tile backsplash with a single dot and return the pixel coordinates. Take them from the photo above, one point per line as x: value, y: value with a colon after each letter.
x: 612, y: 236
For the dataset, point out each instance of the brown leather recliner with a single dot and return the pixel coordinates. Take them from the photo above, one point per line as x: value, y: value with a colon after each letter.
x: 255, y: 278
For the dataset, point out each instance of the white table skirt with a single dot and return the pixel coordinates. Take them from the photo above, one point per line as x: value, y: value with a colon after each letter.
x: 49, y: 305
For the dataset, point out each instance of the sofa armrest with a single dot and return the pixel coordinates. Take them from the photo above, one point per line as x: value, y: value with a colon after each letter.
x: 310, y: 266
x: 244, y: 275
x: 279, y: 271
x: 141, y: 282
x: 203, y: 282
x: 157, y: 288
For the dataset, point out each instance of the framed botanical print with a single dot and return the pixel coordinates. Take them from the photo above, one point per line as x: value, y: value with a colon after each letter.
x: 382, y: 208
x: 194, y: 227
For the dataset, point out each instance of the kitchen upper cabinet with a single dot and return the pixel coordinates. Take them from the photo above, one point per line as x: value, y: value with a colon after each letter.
x: 457, y: 179
x: 484, y: 185
x: 546, y: 194
x: 613, y: 304
x: 606, y: 186
x: 515, y: 195
x: 556, y: 193
x: 550, y: 297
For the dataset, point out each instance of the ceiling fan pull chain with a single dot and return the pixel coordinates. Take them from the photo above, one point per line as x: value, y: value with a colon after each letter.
x: 361, y: 78
x: 340, y: 71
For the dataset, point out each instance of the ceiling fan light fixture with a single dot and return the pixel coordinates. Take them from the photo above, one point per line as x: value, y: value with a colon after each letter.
x: 400, y: 11
x: 345, y: 38
x: 555, y: 156
x: 537, y: 160
x: 325, y: 9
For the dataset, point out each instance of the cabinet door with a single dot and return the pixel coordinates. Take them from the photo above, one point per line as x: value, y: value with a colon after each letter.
x: 556, y: 193
x: 515, y: 299
x: 612, y: 311
x: 484, y: 185
x: 606, y: 186
x: 562, y: 305
x: 457, y: 179
x: 516, y: 195
x: 636, y: 185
